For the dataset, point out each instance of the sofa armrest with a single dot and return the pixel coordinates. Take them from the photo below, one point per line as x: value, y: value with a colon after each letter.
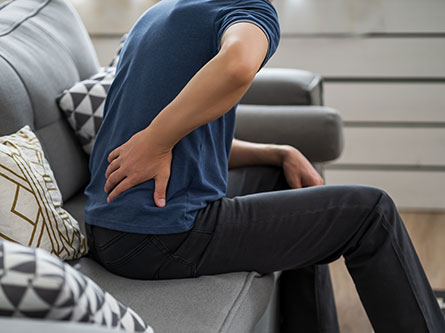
x: 314, y: 130
x: 284, y: 86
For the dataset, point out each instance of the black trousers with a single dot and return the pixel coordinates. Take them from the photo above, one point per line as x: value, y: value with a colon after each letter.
x: 262, y: 225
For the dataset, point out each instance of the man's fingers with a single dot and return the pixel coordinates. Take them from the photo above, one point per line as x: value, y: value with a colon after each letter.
x: 121, y: 187
x: 113, y: 154
x: 115, y: 178
x: 160, y: 190
x: 296, y: 182
x: 114, y: 165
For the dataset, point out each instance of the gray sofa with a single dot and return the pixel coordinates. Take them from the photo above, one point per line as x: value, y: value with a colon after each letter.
x: 44, y: 49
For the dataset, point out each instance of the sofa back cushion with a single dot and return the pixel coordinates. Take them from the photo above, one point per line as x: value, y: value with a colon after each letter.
x: 44, y: 49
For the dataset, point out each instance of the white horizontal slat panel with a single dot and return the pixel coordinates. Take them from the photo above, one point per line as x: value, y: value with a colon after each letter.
x: 105, y: 49
x: 358, y: 57
x: 111, y: 16
x: 387, y: 101
x: 410, y: 190
x: 394, y: 146
x: 361, y: 16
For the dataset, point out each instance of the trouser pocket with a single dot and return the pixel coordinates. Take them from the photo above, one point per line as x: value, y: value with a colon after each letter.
x: 132, y: 255
x: 184, y: 260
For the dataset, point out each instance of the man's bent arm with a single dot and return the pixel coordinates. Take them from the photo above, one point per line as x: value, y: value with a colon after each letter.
x: 211, y: 92
x: 244, y: 153
x: 216, y: 87
x: 297, y: 169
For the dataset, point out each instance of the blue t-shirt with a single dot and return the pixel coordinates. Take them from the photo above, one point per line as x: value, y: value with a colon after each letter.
x: 165, y: 48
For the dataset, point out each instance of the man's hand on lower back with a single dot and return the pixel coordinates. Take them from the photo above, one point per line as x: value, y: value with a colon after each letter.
x: 298, y: 170
x: 136, y: 161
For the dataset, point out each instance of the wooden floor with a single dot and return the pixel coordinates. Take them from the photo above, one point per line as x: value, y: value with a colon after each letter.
x: 427, y: 231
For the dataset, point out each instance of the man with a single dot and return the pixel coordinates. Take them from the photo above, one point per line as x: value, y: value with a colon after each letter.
x: 159, y: 168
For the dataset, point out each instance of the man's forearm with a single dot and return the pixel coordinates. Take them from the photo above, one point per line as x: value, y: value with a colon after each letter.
x: 207, y: 96
x: 244, y: 153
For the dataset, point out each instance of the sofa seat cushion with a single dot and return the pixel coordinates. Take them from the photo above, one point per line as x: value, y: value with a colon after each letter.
x: 231, y: 302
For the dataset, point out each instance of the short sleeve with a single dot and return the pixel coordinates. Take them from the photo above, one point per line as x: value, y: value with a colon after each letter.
x: 259, y: 12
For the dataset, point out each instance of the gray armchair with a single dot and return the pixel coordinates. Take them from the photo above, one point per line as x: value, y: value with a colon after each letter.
x: 285, y: 106
x: 44, y: 48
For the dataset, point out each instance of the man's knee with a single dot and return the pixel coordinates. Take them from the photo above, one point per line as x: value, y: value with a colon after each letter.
x: 377, y: 199
x: 372, y: 196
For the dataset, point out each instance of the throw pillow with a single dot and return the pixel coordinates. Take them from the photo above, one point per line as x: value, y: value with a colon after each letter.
x: 115, y: 60
x: 36, y: 284
x: 83, y: 105
x: 31, y: 210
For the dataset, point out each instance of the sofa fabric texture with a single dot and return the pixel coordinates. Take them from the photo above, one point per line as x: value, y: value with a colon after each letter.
x: 44, y: 49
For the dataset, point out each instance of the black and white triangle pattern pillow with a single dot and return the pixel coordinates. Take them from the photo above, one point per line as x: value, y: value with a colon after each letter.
x: 83, y: 105
x: 115, y: 60
x: 37, y: 284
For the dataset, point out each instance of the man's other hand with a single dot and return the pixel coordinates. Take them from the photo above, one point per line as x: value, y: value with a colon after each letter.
x: 136, y: 161
x: 298, y: 170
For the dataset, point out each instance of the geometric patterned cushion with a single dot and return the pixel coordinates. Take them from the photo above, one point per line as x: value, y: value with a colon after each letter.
x: 83, y: 105
x: 31, y: 210
x: 115, y: 60
x: 37, y: 284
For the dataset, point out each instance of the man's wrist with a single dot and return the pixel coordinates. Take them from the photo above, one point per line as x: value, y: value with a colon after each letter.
x: 277, y: 153
x: 156, y: 139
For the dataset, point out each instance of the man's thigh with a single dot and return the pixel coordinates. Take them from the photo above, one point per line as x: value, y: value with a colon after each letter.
x: 281, y: 230
x: 255, y: 179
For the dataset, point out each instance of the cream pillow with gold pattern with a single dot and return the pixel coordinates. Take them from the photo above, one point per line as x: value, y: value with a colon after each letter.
x: 31, y: 210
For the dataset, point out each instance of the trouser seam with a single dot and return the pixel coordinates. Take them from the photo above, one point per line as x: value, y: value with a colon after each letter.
x: 110, y: 242
x: 142, y: 245
x: 169, y: 253
x: 228, y: 319
x: 300, y: 213
x: 317, y: 295
x: 161, y: 246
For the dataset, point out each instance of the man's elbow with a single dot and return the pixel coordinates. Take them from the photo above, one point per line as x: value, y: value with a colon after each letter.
x: 241, y: 72
x: 240, y: 66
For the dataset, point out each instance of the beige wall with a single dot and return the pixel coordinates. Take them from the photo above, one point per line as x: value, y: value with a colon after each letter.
x: 108, y: 20
x: 384, y: 70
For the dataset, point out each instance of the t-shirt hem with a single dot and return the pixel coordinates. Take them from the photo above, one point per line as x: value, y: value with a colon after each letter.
x: 124, y: 227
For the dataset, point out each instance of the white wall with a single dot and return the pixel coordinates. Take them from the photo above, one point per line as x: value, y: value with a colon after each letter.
x: 384, y: 69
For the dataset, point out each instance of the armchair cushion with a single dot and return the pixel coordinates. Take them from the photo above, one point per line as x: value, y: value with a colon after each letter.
x: 284, y: 86
x: 314, y: 130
